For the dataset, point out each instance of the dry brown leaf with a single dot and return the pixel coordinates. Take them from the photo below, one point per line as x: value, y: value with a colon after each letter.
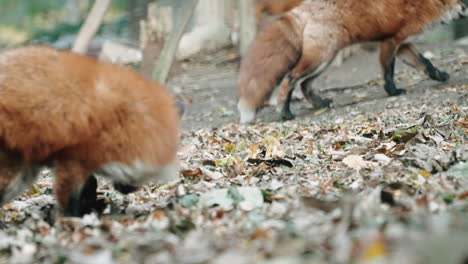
x: 192, y: 173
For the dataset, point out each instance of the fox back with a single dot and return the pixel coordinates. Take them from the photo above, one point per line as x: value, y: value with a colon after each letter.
x: 83, y: 117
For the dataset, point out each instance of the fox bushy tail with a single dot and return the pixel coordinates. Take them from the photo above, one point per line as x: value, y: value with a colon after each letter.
x: 274, y: 51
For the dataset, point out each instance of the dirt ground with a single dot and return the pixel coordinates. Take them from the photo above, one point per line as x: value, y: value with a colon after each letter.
x: 209, y: 91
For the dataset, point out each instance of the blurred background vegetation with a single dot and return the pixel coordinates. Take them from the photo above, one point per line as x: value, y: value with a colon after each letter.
x: 51, y: 21
x: 56, y: 22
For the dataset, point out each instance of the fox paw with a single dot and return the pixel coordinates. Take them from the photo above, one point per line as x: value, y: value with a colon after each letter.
x: 399, y: 91
x: 392, y: 91
x: 440, y: 76
x: 287, y: 116
x: 324, y: 103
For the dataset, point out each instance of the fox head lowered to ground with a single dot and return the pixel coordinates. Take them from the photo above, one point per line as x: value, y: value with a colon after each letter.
x: 300, y: 45
x: 83, y: 118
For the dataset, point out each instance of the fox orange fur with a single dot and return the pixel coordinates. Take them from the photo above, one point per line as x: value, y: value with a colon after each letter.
x: 301, y: 44
x: 266, y: 8
x: 83, y: 118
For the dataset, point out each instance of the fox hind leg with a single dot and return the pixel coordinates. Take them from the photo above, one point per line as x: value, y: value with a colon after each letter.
x: 86, y: 201
x: 284, y: 98
x: 388, y: 50
x: 308, y: 67
x: 18, y: 182
x: 410, y: 56
x: 15, y: 175
x: 75, y: 188
x: 313, y: 97
x: 286, y: 113
x: 282, y: 92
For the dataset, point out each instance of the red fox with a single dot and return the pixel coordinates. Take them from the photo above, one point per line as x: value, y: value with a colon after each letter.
x: 83, y: 118
x: 302, y: 43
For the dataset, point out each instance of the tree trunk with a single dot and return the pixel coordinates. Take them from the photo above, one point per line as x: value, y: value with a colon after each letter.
x: 165, y: 61
x: 213, y: 11
x: 90, y: 27
x: 137, y: 10
x: 153, y: 32
x: 247, y: 24
x: 209, y: 30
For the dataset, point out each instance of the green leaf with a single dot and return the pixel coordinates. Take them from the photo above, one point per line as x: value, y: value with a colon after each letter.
x: 37, y: 189
x: 61, y: 259
x: 267, y: 195
x: 189, y: 200
x: 234, y: 194
x: 229, y: 147
x: 404, y: 135
x: 398, y: 134
x: 211, y: 168
x: 338, y: 184
x: 448, y: 198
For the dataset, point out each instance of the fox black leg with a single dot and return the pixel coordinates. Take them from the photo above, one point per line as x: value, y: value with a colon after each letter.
x: 125, y: 188
x: 389, y: 73
x: 410, y: 56
x: 312, y: 97
x: 432, y: 71
x: 84, y: 201
x: 287, y: 114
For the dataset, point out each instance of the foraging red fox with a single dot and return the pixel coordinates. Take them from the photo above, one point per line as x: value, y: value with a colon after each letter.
x: 302, y: 43
x: 267, y: 11
x: 83, y: 118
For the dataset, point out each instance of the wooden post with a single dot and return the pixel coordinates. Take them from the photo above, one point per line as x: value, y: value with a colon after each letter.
x: 209, y: 30
x: 153, y: 32
x: 90, y: 27
x: 137, y: 10
x: 213, y: 11
x: 165, y: 61
x: 247, y: 24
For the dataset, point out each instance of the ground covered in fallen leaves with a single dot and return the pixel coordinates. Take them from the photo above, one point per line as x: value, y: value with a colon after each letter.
x: 344, y: 186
